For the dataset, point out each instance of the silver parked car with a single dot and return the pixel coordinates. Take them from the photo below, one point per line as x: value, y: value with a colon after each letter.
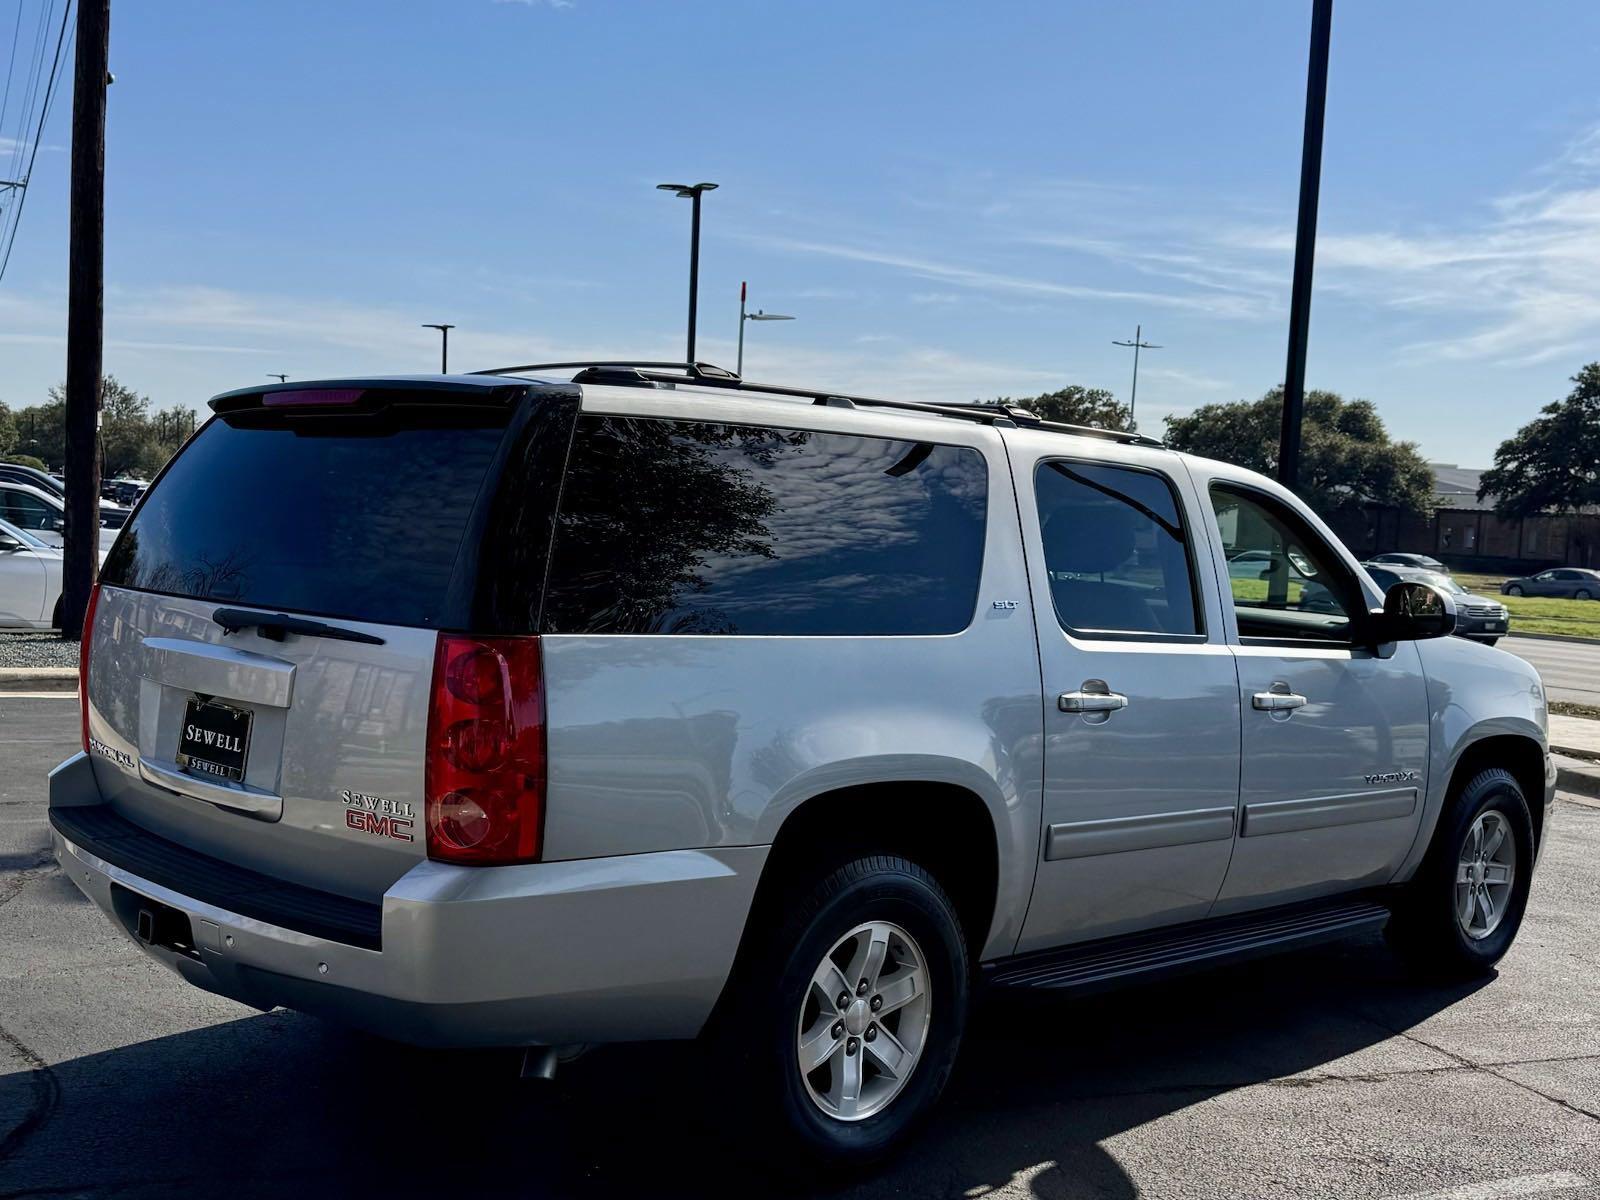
x: 554, y: 706
x: 1571, y: 583
x: 1477, y: 617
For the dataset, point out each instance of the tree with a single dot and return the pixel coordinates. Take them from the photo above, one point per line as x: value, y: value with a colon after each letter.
x: 1346, y: 458
x: 25, y: 460
x: 8, y: 430
x: 1553, y: 462
x: 1076, y: 405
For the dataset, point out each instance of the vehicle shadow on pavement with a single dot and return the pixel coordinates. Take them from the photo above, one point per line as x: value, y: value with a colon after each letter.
x: 280, y: 1104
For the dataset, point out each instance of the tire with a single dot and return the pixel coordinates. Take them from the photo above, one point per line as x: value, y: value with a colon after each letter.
x: 1582, y: 594
x: 55, y: 617
x: 776, y: 1003
x: 1513, y: 590
x: 1490, y: 641
x: 1427, y: 926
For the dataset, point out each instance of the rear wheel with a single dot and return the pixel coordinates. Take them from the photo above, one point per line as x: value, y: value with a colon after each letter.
x: 1513, y: 590
x: 1582, y: 594
x: 847, y: 1020
x: 55, y: 616
x: 1461, y: 913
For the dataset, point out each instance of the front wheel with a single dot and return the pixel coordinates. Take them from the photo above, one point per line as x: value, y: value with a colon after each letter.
x: 849, y: 1017
x: 1460, y: 914
x: 1513, y: 590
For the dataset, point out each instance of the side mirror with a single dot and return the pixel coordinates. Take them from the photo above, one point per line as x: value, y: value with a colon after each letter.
x: 9, y: 544
x: 1414, y: 612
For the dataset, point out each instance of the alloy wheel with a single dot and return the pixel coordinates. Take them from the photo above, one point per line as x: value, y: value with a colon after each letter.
x: 863, y: 1022
x: 1485, y: 872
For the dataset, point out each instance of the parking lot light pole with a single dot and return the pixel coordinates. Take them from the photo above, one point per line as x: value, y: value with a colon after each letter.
x: 758, y: 315
x: 444, y: 345
x: 691, y: 192
x: 1305, y: 238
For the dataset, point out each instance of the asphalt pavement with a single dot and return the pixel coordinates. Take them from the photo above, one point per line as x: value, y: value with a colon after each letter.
x: 1570, y: 670
x: 1328, y: 1073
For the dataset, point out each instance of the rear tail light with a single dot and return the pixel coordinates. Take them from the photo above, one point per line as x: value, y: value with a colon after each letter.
x: 83, y: 663
x: 485, y: 775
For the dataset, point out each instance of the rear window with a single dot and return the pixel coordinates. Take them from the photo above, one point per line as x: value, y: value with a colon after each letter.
x: 697, y: 528
x: 359, y: 517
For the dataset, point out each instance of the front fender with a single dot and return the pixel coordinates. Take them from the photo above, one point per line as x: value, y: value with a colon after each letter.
x: 1474, y: 692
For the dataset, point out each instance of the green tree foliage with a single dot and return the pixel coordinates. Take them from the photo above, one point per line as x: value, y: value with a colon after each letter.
x: 24, y: 460
x: 1553, y: 462
x: 1076, y: 405
x: 1347, y: 458
x: 135, y: 440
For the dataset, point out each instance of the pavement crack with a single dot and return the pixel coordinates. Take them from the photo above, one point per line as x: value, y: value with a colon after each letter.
x: 15, y: 880
x: 46, y: 1096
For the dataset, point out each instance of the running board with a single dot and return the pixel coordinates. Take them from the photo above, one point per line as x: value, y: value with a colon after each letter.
x: 1190, y: 947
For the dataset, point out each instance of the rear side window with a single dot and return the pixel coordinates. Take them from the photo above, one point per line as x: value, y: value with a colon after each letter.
x: 697, y: 528
x: 1116, y: 552
x: 359, y: 517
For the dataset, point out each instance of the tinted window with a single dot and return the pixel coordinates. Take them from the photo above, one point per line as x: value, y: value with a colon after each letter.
x: 1115, y: 549
x: 688, y: 527
x: 1286, y: 582
x: 28, y: 512
x: 358, y: 517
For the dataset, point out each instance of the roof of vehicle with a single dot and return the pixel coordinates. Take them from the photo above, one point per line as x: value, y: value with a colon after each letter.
x: 13, y: 485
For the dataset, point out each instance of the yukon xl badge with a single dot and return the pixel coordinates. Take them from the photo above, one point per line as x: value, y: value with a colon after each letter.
x: 1393, y: 777
x: 366, y: 813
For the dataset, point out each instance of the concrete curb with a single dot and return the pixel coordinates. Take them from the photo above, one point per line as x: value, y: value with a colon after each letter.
x: 1553, y: 637
x: 38, y: 679
x: 1578, y: 778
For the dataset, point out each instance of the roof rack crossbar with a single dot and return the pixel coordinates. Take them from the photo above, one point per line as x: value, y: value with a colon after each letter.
x: 702, y: 374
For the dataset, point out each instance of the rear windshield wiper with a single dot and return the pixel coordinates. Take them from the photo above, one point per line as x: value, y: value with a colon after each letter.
x: 276, y: 626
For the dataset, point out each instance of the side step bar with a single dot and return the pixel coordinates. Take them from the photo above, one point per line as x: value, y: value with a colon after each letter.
x: 1195, y: 946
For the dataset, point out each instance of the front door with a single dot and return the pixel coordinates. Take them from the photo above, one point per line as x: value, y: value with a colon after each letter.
x: 22, y: 586
x: 1335, y: 733
x: 1141, y: 699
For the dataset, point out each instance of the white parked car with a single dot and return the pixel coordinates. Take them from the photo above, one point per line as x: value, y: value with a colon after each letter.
x: 42, y: 514
x: 30, y: 581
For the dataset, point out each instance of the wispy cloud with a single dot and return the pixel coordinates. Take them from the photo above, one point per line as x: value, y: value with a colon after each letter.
x: 982, y: 279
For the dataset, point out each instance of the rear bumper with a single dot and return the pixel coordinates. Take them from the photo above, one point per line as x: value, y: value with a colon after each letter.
x: 596, y: 950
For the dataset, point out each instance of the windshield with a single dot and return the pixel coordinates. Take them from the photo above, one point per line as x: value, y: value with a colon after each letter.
x: 1443, y: 582
x: 23, y: 536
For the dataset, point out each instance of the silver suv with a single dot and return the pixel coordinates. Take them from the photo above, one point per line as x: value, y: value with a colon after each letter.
x: 560, y: 706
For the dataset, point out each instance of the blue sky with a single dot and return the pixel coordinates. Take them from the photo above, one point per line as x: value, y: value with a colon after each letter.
x: 955, y: 200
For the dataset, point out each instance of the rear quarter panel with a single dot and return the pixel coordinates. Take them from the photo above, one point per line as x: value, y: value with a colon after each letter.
x: 672, y: 742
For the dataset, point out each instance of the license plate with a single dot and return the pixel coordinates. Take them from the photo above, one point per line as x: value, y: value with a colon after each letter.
x: 215, y: 740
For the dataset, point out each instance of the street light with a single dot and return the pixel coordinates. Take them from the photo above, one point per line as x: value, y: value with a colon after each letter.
x: 444, y: 346
x: 758, y: 315
x: 692, y: 192
x: 1138, y: 344
x: 279, y: 378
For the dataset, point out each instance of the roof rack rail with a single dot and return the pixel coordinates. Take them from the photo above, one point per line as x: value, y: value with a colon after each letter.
x: 642, y: 373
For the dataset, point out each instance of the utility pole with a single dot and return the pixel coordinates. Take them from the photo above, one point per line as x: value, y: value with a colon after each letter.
x: 1305, y: 239
x: 444, y: 346
x: 1138, y: 344
x: 85, y: 312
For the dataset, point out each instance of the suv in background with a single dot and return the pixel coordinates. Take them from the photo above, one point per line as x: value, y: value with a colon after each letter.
x: 1417, y: 562
x: 554, y: 707
x: 1477, y: 617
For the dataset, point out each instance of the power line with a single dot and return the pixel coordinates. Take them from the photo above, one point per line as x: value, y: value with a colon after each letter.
x: 38, y: 136
x: 11, y: 66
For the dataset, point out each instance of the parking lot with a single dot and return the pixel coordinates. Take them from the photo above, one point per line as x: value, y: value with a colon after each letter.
x: 1327, y: 1073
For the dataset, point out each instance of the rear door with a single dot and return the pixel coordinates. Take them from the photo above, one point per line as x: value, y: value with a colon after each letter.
x: 1141, y: 698
x: 219, y: 718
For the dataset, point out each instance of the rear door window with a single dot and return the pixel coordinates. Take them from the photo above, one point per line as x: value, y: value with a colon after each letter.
x: 359, y: 517
x: 679, y: 527
x: 1116, y: 552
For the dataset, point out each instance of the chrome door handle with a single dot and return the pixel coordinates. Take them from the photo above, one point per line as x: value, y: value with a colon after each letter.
x: 1091, y: 702
x: 1277, y: 700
